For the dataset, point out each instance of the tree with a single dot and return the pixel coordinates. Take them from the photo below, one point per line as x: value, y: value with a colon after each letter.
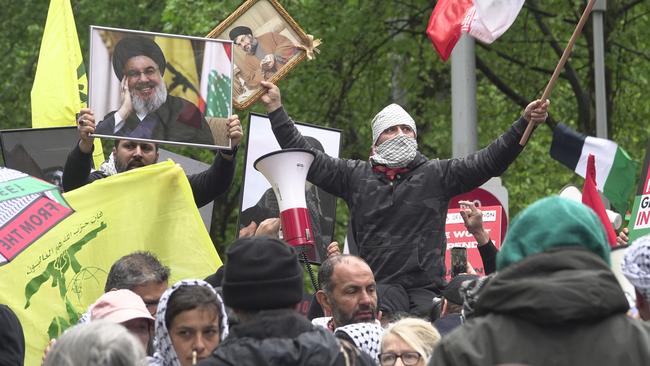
x: 374, y: 52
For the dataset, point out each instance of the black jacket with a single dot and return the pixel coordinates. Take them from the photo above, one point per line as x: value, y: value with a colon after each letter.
x: 560, y: 307
x: 283, y: 338
x: 399, y: 226
x: 12, y: 339
x: 206, y: 186
x: 175, y: 120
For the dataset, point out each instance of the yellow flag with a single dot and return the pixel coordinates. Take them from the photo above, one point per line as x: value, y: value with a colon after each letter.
x: 60, y: 86
x: 56, y: 278
x: 180, y: 76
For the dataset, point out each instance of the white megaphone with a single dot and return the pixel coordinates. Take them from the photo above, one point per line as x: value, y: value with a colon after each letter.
x: 286, y: 170
x: 574, y: 194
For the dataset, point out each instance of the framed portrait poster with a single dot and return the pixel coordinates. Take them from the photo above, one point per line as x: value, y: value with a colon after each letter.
x: 267, y: 44
x: 39, y: 152
x: 160, y: 88
x: 258, y: 201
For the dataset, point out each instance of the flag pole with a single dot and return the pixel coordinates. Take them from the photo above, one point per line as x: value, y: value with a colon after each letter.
x: 560, y: 65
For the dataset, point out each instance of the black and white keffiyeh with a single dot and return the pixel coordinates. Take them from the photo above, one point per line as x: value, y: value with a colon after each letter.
x: 636, y: 265
x: 108, y: 167
x: 365, y: 336
x: 391, y: 115
x: 165, y: 355
x: 397, y: 152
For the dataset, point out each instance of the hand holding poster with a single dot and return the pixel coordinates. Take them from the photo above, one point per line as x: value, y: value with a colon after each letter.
x: 458, y: 236
x: 268, y: 43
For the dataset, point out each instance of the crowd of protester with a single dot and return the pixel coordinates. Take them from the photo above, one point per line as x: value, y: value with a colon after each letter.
x: 548, y: 296
x: 553, y: 300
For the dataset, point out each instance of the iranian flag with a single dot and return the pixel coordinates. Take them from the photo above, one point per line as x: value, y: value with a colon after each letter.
x: 485, y: 20
x: 216, y: 80
x: 615, y: 170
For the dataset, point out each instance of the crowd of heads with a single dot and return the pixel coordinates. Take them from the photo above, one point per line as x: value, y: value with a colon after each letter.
x: 139, y: 314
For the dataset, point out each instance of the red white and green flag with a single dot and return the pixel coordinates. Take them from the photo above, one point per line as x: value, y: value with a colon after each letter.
x: 615, y: 170
x: 216, y: 80
x: 485, y: 20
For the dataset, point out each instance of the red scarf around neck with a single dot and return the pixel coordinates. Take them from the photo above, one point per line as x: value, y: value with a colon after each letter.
x: 390, y: 173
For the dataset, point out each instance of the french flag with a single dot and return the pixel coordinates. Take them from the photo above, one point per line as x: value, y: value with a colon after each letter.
x: 485, y: 20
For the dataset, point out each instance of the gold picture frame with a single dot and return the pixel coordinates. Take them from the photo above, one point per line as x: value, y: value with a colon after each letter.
x: 271, y: 27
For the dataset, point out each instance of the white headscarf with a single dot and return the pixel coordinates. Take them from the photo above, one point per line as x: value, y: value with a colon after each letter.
x: 391, y: 115
x: 400, y: 150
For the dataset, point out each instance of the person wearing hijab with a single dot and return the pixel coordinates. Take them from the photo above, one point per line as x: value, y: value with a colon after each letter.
x: 191, y: 322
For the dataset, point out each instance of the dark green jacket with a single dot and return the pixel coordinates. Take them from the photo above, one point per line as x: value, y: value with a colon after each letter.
x: 560, y: 307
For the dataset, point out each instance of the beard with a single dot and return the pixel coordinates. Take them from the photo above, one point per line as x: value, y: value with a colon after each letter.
x: 134, y: 162
x: 362, y: 314
x: 253, y: 46
x: 144, y: 106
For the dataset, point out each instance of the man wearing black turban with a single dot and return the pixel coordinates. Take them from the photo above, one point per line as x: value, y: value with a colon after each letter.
x: 147, y: 111
x: 264, y: 56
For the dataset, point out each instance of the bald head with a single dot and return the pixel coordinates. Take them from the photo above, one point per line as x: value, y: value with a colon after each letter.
x: 348, y: 290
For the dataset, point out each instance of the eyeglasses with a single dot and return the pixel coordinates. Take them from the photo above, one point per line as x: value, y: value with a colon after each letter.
x: 408, y: 358
x: 148, y: 72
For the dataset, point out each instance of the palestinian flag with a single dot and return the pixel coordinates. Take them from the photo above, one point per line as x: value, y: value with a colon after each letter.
x: 216, y: 80
x: 615, y: 170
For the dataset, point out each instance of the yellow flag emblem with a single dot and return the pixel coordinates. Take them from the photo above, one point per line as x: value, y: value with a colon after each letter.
x: 54, y: 280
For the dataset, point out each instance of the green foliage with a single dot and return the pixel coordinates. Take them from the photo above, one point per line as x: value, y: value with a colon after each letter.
x: 376, y: 52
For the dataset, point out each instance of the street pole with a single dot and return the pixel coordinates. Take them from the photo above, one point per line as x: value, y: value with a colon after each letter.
x: 463, y: 98
x: 598, y: 16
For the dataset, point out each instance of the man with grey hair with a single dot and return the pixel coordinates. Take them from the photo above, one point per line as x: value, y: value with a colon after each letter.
x: 140, y: 272
x: 636, y: 268
x: 398, y: 198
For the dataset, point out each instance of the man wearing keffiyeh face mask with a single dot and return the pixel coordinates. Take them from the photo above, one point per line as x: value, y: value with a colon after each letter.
x: 398, y: 198
x: 394, y: 144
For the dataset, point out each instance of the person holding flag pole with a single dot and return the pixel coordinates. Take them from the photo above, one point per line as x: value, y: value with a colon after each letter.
x: 398, y: 198
x: 487, y: 20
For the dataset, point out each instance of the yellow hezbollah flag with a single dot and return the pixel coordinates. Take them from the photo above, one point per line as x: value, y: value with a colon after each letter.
x: 60, y: 86
x: 181, y: 77
x: 56, y: 278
